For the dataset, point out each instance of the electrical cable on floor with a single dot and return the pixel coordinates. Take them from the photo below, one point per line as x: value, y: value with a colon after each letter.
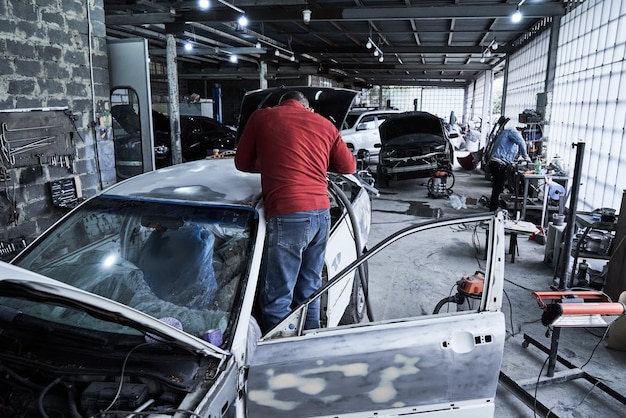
x: 518, y: 285
x: 594, y: 348
x: 537, y: 387
x: 510, y: 312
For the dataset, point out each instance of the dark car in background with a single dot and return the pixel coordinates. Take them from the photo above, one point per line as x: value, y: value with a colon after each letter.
x: 199, y: 136
x: 413, y: 145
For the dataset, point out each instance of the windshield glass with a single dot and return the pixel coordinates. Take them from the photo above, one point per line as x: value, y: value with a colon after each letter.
x: 164, y: 259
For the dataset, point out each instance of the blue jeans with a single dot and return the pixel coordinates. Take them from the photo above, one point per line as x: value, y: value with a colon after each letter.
x: 292, y: 265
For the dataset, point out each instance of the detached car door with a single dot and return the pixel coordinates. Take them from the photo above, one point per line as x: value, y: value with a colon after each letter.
x: 442, y: 362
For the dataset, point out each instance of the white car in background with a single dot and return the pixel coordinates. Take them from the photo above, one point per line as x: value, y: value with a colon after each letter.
x: 360, y: 130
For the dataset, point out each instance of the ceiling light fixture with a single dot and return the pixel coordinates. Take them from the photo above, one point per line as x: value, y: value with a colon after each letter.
x: 204, y: 4
x: 487, y: 52
x: 306, y: 16
x: 188, y: 46
x: 234, y: 59
x: 517, y: 16
x: 243, y: 21
x: 377, y: 51
x: 232, y: 6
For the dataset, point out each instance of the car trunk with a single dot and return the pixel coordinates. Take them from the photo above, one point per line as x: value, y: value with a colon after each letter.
x: 331, y: 103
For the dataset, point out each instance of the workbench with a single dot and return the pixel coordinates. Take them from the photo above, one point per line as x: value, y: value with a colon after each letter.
x: 529, y: 202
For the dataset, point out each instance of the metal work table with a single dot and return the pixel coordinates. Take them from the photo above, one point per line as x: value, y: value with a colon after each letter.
x: 526, y: 202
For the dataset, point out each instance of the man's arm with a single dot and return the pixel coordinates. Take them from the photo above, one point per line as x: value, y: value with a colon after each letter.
x: 245, y: 155
x: 341, y: 160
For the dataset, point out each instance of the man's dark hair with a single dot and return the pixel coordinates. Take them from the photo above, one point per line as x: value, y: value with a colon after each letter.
x: 296, y: 95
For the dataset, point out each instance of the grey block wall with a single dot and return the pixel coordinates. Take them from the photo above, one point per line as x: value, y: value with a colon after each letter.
x: 52, y: 55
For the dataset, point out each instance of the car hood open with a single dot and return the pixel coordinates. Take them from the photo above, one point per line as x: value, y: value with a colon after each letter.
x: 332, y: 103
x: 410, y: 123
x: 18, y: 281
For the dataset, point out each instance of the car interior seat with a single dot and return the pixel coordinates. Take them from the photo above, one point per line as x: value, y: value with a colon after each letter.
x: 178, y: 264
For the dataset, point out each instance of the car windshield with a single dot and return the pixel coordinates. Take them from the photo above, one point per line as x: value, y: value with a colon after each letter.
x: 165, y: 259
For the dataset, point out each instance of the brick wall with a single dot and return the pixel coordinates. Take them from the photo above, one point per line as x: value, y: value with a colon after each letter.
x: 48, y: 61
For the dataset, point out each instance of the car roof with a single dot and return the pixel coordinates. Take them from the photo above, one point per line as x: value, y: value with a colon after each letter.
x: 209, y: 181
x: 373, y: 111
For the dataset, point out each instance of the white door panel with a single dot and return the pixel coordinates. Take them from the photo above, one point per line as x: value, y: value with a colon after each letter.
x: 381, y: 368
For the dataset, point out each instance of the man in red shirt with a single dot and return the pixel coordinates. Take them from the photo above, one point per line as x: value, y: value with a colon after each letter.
x: 293, y: 148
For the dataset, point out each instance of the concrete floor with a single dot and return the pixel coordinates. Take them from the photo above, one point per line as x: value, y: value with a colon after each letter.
x: 407, y: 202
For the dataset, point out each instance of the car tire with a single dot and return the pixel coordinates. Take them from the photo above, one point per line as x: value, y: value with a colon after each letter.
x: 356, y: 309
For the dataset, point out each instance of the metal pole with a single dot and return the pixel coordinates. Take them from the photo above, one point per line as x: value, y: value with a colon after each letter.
x: 173, y: 108
x: 571, y: 217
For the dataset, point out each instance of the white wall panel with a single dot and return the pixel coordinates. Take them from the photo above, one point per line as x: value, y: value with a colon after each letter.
x: 526, y: 76
x: 589, y: 99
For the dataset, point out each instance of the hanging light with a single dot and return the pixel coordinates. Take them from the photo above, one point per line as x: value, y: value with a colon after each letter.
x: 517, y: 16
x: 381, y: 58
x: 204, y: 4
x: 188, y: 46
x: 482, y: 58
x: 306, y: 16
x: 293, y: 58
x: 488, y: 53
x: 494, y: 45
x: 234, y: 59
x: 376, y: 53
x: 369, y: 43
x: 277, y: 52
x: 243, y: 21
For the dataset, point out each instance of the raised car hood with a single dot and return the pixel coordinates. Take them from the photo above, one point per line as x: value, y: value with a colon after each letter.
x: 15, y: 280
x: 410, y: 123
x: 332, y: 103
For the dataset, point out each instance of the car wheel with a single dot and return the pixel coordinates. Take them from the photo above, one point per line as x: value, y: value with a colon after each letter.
x: 355, y: 311
x: 381, y: 178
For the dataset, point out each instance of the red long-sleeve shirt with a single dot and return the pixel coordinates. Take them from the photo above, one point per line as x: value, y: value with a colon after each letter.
x: 292, y: 148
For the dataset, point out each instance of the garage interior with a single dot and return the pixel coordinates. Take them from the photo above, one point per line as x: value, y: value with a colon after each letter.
x: 558, y: 73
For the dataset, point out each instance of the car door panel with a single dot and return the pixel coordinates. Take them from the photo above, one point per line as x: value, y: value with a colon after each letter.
x: 428, y: 364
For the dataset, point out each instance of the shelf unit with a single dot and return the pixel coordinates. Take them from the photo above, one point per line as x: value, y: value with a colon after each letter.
x: 585, y: 220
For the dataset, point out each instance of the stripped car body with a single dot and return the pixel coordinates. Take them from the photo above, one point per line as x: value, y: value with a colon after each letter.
x: 182, y: 244
x: 413, y: 145
x: 443, y: 365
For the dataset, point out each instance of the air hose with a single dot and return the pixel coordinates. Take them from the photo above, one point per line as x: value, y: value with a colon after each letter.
x: 357, y: 243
